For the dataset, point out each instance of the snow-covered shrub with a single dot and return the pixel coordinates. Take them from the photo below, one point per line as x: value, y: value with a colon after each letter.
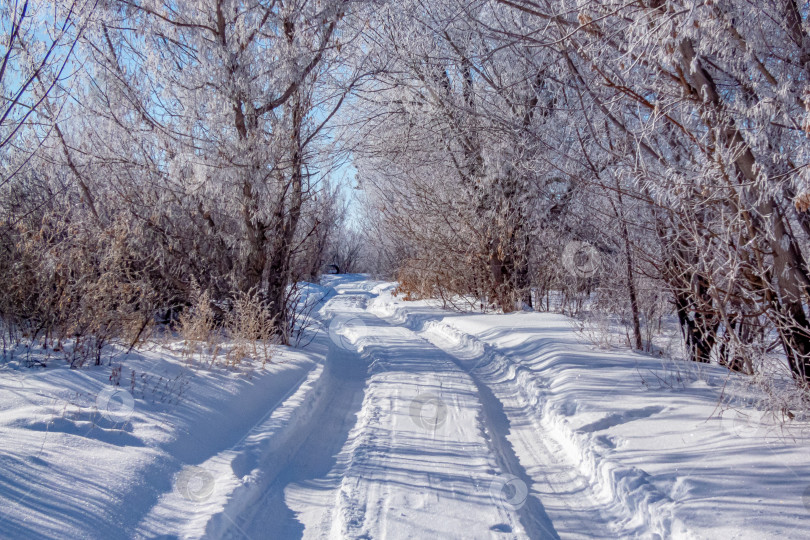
x: 197, y: 327
x: 250, y: 325
x: 74, y: 288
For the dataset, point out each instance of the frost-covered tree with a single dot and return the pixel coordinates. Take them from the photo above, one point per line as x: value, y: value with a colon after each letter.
x: 701, y: 106
x: 450, y: 149
x: 216, y: 107
x: 671, y: 136
x: 496, y: 141
x: 37, y: 41
x: 199, y: 128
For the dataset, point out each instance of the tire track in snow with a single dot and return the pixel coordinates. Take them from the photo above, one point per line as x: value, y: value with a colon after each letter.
x: 637, y: 508
x: 393, y: 476
x: 385, y: 474
x: 405, y: 366
x: 574, y: 506
x: 309, y: 466
x: 575, y: 510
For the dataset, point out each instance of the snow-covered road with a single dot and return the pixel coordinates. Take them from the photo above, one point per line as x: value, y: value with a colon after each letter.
x: 398, y: 420
x: 416, y: 439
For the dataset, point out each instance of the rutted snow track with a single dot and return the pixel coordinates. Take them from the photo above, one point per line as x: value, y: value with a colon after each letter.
x: 413, y: 437
x: 400, y: 421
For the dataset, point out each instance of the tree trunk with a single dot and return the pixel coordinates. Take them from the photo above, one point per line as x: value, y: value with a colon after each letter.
x: 631, y: 282
x: 789, y: 275
x: 287, y: 223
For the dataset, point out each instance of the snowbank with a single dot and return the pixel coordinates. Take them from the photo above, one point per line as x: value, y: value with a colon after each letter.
x: 82, y: 458
x: 650, y: 436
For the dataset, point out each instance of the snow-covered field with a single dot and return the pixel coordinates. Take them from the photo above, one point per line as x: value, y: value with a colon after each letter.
x: 398, y: 420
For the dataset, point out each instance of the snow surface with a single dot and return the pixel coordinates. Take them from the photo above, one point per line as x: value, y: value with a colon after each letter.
x: 397, y: 420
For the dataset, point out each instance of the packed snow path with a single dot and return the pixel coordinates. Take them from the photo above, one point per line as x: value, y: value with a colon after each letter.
x: 412, y: 438
x: 398, y: 420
